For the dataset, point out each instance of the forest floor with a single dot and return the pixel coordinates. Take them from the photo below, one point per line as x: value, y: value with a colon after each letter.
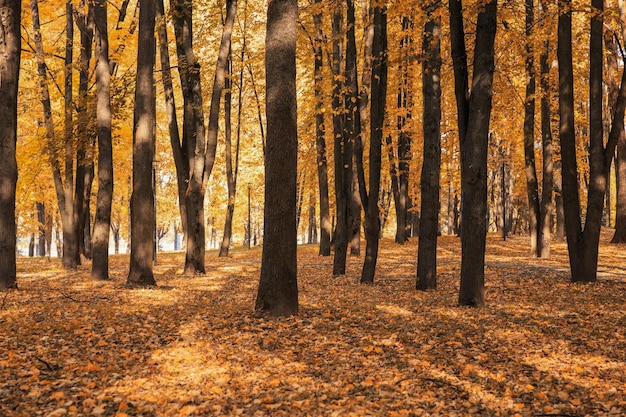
x: 541, y: 346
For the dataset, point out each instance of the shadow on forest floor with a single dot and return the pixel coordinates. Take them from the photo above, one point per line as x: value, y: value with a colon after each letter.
x: 193, y: 346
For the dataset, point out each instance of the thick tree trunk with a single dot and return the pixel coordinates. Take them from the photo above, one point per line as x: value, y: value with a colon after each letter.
x: 320, y: 141
x: 278, y: 286
x: 474, y: 162
x: 377, y: 119
x: 100, y: 265
x: 194, y: 141
x: 10, y: 48
x: 532, y: 188
x: 144, y: 140
x: 431, y: 167
x: 179, y: 150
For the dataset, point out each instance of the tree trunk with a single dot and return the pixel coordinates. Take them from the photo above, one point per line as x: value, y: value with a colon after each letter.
x: 63, y: 185
x: 231, y: 173
x: 352, y: 131
x: 278, y: 286
x: 532, y: 188
x: 10, y: 48
x: 144, y: 140
x: 474, y: 161
x: 194, y: 141
x: 85, y: 144
x: 377, y: 120
x: 220, y: 83
x: 431, y: 167
x: 179, y: 150
x: 343, y: 161
x: 547, y: 206
x: 41, y: 220
x: 320, y: 140
x: 100, y: 265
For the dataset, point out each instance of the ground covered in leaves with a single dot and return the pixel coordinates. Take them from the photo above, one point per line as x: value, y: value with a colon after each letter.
x: 541, y: 346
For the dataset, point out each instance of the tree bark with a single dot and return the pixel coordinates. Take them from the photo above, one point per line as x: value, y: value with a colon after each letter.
x: 231, y: 173
x: 63, y: 184
x: 320, y: 140
x: 100, y: 248
x: 431, y: 166
x: 532, y: 187
x: 377, y: 120
x: 10, y: 49
x: 343, y: 158
x: 194, y: 141
x: 278, y: 286
x: 179, y: 150
x: 144, y: 140
x: 547, y: 205
x: 474, y: 162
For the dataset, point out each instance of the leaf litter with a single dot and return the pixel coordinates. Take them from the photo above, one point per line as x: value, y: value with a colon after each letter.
x: 193, y: 346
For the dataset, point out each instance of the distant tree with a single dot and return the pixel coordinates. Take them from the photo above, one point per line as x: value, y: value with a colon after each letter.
x: 102, y: 226
x: 10, y: 49
x: 144, y: 140
x: 278, y: 286
x: 474, y: 110
x: 431, y: 166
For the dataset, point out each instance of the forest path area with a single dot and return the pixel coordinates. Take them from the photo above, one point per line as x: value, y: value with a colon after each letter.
x: 193, y: 346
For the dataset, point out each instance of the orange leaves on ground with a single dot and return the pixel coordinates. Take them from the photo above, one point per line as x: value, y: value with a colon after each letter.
x: 193, y: 347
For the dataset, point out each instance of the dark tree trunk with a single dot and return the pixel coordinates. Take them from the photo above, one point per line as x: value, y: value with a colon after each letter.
x: 431, y: 167
x: 86, y: 139
x: 352, y: 131
x: 401, y: 193
x: 377, y: 120
x: 343, y: 159
x: 231, y: 173
x: 474, y: 162
x: 144, y: 139
x: 194, y: 141
x: 179, y: 150
x: 532, y: 188
x: 320, y: 141
x: 63, y: 186
x: 278, y: 286
x: 558, y: 200
x: 41, y: 220
x: 100, y: 248
x: 547, y: 206
x: 10, y: 48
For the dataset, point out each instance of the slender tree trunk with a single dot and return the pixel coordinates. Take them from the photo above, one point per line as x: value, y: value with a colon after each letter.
x: 194, y: 140
x: 41, y: 220
x: 341, y: 149
x: 377, y: 119
x: 100, y: 265
x: 63, y: 188
x: 231, y: 173
x: 179, y: 150
x: 474, y: 162
x: 278, y: 286
x: 10, y: 48
x: 547, y: 206
x: 431, y: 167
x: 144, y: 140
x: 352, y: 131
x: 532, y: 188
x: 86, y: 139
x: 320, y: 140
